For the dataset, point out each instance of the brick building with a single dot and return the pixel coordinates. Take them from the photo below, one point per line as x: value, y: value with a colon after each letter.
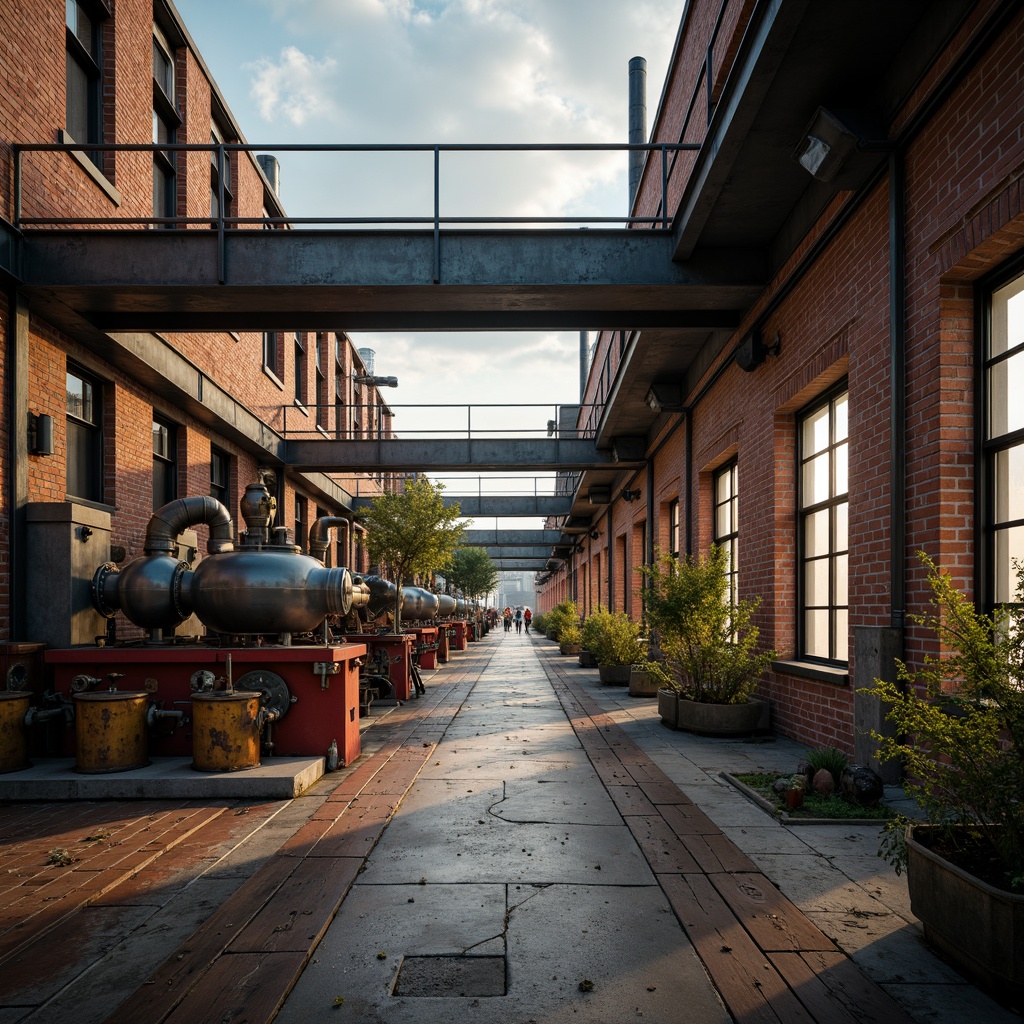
x: 860, y: 409
x: 100, y: 429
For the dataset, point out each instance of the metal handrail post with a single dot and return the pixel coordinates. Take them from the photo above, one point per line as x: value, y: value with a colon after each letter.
x: 437, y: 215
x: 221, y: 242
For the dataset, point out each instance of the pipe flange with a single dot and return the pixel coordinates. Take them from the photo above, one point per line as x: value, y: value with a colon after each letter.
x: 273, y: 690
x: 99, y: 581
x: 176, y: 597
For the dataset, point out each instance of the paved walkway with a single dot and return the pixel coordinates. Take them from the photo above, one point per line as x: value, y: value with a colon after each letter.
x: 521, y: 844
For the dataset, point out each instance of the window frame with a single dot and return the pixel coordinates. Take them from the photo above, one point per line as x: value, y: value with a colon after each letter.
x: 220, y: 490
x: 92, y: 433
x: 837, y: 645
x: 167, y: 119
x: 728, y: 539
x: 165, y: 463
x: 673, y: 527
x: 90, y: 64
x: 993, y: 589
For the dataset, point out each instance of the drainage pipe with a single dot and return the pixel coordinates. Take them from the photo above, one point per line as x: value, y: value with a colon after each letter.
x: 897, y: 389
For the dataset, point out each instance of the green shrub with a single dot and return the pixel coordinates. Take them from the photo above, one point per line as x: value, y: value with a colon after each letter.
x: 708, y: 645
x: 959, y: 725
x: 562, y: 615
x: 571, y: 634
x: 613, y: 638
x: 539, y: 624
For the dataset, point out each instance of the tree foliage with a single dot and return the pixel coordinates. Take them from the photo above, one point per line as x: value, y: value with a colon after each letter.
x: 412, y: 533
x: 472, y: 571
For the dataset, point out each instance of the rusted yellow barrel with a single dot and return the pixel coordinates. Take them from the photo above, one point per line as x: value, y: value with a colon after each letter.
x: 13, y: 732
x: 110, y: 731
x: 225, y: 731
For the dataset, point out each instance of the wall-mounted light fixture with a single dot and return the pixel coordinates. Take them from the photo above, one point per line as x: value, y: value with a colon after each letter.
x: 832, y: 138
x: 752, y: 350
x: 594, y: 535
x: 628, y: 495
x: 40, y: 434
x: 552, y: 427
x: 664, y: 397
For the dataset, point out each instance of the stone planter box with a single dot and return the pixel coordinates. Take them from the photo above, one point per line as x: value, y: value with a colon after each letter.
x: 979, y: 927
x: 722, y: 719
x: 569, y: 648
x: 641, y: 683
x: 668, y: 707
x: 587, y: 660
x: 614, y: 675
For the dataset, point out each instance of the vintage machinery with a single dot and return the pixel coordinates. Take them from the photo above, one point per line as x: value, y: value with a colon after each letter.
x: 265, y: 606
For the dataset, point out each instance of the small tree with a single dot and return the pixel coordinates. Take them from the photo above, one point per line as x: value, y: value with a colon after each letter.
x: 709, y: 645
x: 472, y: 571
x: 412, y: 533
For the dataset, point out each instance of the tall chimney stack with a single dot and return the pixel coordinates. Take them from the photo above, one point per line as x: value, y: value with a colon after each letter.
x: 637, y: 123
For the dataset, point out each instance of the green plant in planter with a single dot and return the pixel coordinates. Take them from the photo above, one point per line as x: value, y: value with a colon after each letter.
x: 571, y: 634
x: 709, y: 646
x: 613, y: 638
x: 959, y: 723
x: 562, y: 615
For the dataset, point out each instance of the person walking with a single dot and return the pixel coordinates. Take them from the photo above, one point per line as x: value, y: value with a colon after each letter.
x: 507, y: 619
x: 527, y: 619
x: 519, y: 620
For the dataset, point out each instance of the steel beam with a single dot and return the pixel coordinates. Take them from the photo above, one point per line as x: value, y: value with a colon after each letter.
x: 401, y: 455
x: 521, y: 564
x: 137, y: 279
x: 487, y: 505
x: 511, y: 538
x: 504, y: 551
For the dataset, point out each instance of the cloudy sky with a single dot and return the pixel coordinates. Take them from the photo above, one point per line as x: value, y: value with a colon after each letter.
x: 435, y: 71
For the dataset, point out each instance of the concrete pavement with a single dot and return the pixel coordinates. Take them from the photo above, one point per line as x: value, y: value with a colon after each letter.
x: 522, y: 844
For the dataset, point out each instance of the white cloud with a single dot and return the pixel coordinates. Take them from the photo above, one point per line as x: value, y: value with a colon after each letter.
x: 296, y: 86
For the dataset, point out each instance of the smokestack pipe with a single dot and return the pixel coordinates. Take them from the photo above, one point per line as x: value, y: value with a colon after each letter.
x: 584, y: 363
x: 637, y: 123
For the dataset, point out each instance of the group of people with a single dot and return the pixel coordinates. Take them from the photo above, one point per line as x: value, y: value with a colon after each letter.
x: 520, y: 617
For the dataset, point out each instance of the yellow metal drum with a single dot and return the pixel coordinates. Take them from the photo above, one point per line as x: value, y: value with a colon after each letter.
x: 225, y: 731
x: 14, y: 705
x: 110, y: 731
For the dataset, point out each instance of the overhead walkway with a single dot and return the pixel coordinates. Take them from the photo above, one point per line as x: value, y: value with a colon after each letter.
x: 519, y: 844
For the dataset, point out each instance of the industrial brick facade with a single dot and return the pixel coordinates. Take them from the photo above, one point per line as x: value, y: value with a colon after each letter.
x: 241, y: 392
x: 958, y: 157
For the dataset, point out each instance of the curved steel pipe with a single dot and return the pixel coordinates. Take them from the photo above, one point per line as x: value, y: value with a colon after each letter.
x: 320, y: 534
x: 170, y: 519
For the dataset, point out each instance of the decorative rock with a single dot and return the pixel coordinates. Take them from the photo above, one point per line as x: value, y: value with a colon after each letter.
x: 861, y: 785
x: 823, y: 782
x: 804, y: 768
x: 780, y: 786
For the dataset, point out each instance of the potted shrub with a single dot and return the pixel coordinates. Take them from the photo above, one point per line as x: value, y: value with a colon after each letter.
x: 645, y: 679
x: 560, y: 617
x: 709, y: 645
x: 569, y: 639
x: 614, y: 640
x: 960, y: 733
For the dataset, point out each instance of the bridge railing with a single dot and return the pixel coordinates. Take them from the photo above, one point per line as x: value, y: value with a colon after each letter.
x: 438, y: 421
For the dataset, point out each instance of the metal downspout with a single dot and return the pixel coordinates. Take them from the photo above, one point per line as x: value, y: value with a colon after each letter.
x: 649, y: 553
x: 897, y: 388
x: 16, y: 344
x: 688, y: 488
x: 610, y: 561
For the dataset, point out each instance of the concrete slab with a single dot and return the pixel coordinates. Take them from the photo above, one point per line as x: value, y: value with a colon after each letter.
x: 575, y: 802
x: 815, y: 885
x: 166, y: 778
x: 554, y: 938
x: 950, y: 1004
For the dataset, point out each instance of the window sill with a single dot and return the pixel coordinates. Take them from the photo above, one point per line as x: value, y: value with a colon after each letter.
x: 99, y: 506
x: 298, y: 405
x: 812, y: 670
x: 83, y: 161
x: 273, y: 376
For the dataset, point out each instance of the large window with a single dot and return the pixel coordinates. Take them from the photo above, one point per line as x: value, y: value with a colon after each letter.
x: 85, y: 435
x: 673, y: 528
x: 165, y: 462
x: 220, y: 175
x: 165, y: 125
x: 824, y: 508
x: 220, y: 476
x: 1004, y: 436
x: 84, y: 77
x: 300, y: 369
x: 726, y: 527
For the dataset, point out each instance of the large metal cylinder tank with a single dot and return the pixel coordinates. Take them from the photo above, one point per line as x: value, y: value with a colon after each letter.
x: 14, y: 705
x: 110, y: 731
x: 445, y: 605
x: 226, y: 731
